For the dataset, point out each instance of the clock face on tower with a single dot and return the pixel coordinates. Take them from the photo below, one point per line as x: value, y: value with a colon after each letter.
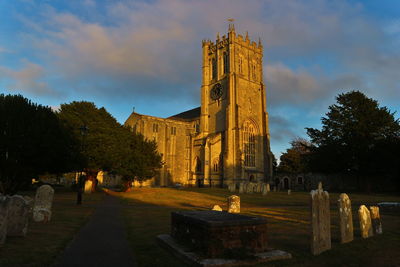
x: 216, y: 92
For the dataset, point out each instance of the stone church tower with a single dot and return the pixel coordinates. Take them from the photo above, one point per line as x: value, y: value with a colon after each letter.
x: 226, y: 139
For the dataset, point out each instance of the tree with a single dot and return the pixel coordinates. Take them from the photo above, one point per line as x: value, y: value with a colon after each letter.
x: 357, y: 137
x: 32, y: 142
x: 108, y: 145
x: 294, y: 159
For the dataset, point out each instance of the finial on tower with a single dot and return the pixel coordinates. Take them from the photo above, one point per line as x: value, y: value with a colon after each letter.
x: 231, y: 27
x: 217, y: 35
x: 247, y: 35
x: 259, y: 41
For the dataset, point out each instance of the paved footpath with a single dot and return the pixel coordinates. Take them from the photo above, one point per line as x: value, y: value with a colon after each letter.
x: 102, y: 241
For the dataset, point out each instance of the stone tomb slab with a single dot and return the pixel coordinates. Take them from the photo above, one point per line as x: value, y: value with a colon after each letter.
x: 210, y: 238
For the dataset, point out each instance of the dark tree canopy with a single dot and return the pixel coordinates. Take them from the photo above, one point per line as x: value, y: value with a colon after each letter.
x: 294, y: 159
x: 109, y: 146
x: 32, y: 142
x: 358, y: 137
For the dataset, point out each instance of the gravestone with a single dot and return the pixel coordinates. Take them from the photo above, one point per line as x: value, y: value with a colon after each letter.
x: 365, y: 222
x: 320, y: 221
x: 241, y: 188
x: 232, y: 187
x: 88, y: 186
x: 43, y: 202
x: 345, y: 219
x: 4, y: 206
x: 18, y: 215
x: 376, y: 220
x: 274, y: 188
x: 250, y: 188
x: 234, y: 204
x: 268, y: 188
x: 289, y: 191
x: 217, y: 208
x: 259, y: 187
x: 264, y: 189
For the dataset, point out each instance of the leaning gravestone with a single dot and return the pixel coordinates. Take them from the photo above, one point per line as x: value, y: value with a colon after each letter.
x: 345, y: 219
x: 4, y: 206
x: 43, y: 202
x: 18, y: 215
x: 365, y: 222
x: 234, y: 204
x: 376, y: 220
x: 320, y: 221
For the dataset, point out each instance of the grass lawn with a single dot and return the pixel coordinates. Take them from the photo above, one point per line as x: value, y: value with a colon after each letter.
x: 45, y: 241
x: 147, y: 214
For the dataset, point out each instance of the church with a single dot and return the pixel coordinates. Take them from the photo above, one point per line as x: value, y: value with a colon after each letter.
x: 226, y: 139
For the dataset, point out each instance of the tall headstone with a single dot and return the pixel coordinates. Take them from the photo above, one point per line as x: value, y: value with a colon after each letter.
x: 320, y: 221
x: 376, y: 220
x: 289, y: 192
x: 18, y: 215
x: 264, y: 189
x: 232, y: 187
x: 4, y: 206
x: 234, y: 204
x: 88, y: 186
x: 365, y: 222
x: 268, y: 188
x: 241, y: 188
x: 43, y: 202
x: 345, y: 219
x: 259, y: 187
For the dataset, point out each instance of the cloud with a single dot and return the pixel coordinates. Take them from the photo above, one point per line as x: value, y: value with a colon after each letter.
x: 29, y: 79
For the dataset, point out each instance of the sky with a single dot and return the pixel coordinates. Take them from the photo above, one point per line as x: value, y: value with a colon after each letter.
x: 146, y: 55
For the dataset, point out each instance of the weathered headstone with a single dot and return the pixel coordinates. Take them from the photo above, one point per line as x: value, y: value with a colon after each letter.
x: 289, y: 191
x: 249, y: 189
x: 234, y: 204
x: 345, y: 219
x: 268, y: 188
x: 320, y: 221
x: 264, y: 189
x: 376, y: 220
x: 260, y: 187
x: 18, y: 215
x: 232, y: 187
x: 4, y: 205
x: 274, y: 188
x: 43, y: 203
x: 365, y: 222
x: 217, y: 208
x: 88, y: 186
x: 241, y: 188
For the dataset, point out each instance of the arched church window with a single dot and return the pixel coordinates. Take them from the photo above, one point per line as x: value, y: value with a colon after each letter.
x: 214, y: 68
x: 216, y: 165
x: 249, y: 144
x: 240, y: 65
x: 226, y: 63
x: 300, y: 180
